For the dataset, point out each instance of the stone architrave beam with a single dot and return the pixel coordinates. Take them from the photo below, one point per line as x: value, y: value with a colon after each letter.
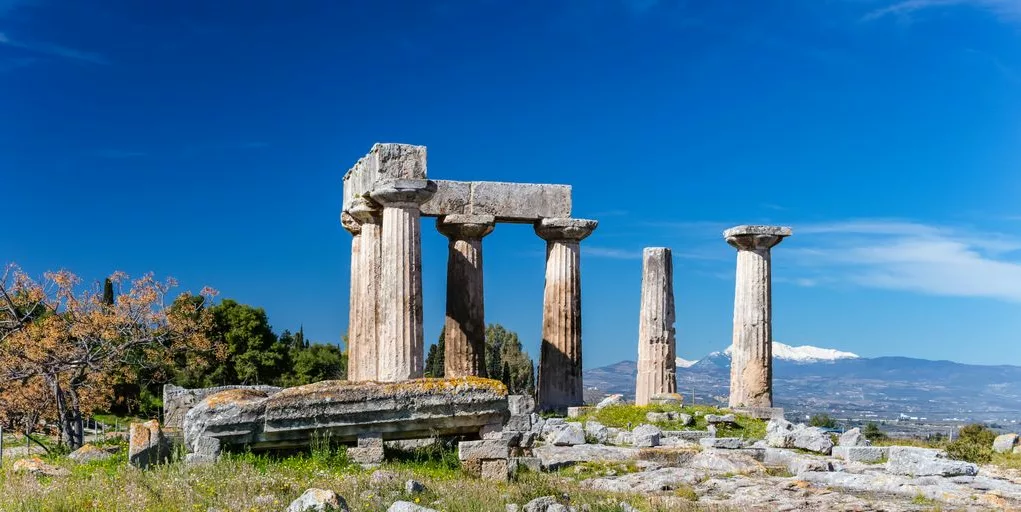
x: 657, y: 349
x: 751, y: 365
x: 507, y: 202
x: 560, y: 379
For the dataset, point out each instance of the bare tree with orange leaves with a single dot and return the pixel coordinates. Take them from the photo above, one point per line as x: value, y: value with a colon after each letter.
x: 67, y: 336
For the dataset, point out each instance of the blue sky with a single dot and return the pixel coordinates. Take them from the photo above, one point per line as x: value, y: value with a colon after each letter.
x: 208, y: 141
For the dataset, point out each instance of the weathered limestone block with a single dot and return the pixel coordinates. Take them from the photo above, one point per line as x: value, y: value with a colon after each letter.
x: 344, y: 410
x: 572, y: 434
x: 507, y: 202
x: 1005, y: 443
x: 751, y: 367
x: 556, y: 457
x: 368, y: 450
x: 780, y: 433
x: 496, y: 469
x: 384, y: 162
x: 853, y: 453
x: 147, y: 446
x: 88, y: 453
x: 645, y: 436
x: 853, y: 437
x: 687, y: 435
x: 36, y: 467
x: 577, y: 412
x: 726, y: 461
x: 725, y: 443
x: 318, y: 500
x: 721, y: 418
x: 465, y: 327
x: 560, y: 362
x: 911, y: 461
x: 597, y: 431
x: 657, y: 350
x: 401, y: 341
x: 813, y: 439
x: 521, y: 404
x: 177, y: 401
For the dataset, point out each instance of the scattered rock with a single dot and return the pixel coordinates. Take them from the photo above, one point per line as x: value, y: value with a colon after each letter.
x: 413, y: 487
x: 911, y: 461
x: 645, y: 436
x: 88, y: 453
x: 318, y: 500
x: 1005, y: 443
x: 610, y: 400
x: 726, y: 443
x: 556, y: 457
x: 147, y: 446
x: 597, y: 431
x: 36, y: 466
x: 570, y: 435
x: 407, y: 506
x: 813, y: 439
x: 513, y: 507
x: 780, y: 433
x: 623, y: 438
x: 381, y: 478
x: 714, y: 419
x: 853, y: 437
x: 542, y: 504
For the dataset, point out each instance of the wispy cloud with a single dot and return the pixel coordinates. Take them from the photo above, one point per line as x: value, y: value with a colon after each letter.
x: 1007, y: 10
x: 909, y: 256
x: 54, y: 50
x: 611, y: 253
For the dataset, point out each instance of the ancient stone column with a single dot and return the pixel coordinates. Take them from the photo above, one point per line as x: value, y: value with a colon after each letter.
x: 751, y: 364
x: 356, y: 300
x: 363, y: 336
x: 560, y: 382
x: 401, y: 339
x: 657, y: 350
x: 465, y: 328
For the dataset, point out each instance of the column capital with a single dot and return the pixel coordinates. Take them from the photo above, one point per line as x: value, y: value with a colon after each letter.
x: 465, y: 227
x: 350, y: 223
x: 751, y: 238
x: 403, y: 193
x: 565, y: 229
x: 363, y: 210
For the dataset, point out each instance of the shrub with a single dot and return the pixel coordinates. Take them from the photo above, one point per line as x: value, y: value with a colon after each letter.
x: 872, y: 433
x: 822, y: 420
x: 973, y: 444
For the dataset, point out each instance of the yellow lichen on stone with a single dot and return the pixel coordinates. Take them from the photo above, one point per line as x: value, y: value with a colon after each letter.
x: 234, y: 396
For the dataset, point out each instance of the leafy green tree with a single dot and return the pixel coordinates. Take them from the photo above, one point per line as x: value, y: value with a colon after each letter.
x: 506, y: 360
x: 872, y: 433
x: 315, y: 362
x: 974, y: 443
x: 822, y: 420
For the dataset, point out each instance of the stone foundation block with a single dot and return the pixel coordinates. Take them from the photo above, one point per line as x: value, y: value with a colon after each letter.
x: 519, y: 423
x: 147, y: 445
x: 486, y: 449
x: 491, y: 431
x: 366, y: 456
x: 520, y: 404
x: 516, y: 464
x: 726, y: 443
x: 687, y: 435
x: 495, y: 469
x: 371, y: 440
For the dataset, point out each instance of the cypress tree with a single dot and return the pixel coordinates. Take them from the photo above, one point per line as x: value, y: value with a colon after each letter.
x: 441, y: 351
x: 506, y: 377
x: 108, y: 292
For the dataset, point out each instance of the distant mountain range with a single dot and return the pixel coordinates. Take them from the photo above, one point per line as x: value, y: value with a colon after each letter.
x: 810, y: 379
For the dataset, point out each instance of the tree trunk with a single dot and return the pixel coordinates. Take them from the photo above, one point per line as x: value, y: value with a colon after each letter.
x: 75, y: 417
x: 63, y: 415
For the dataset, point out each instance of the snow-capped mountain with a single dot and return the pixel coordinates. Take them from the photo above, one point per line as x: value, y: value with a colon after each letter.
x: 804, y: 353
x: 684, y: 363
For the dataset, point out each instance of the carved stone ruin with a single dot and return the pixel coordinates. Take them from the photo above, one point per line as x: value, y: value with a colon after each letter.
x: 657, y: 350
x: 751, y: 364
x: 385, y: 195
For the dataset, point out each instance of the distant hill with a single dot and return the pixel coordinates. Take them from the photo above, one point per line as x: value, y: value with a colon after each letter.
x: 811, y: 379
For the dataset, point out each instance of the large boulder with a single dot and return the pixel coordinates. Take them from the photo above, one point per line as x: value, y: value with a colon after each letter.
x: 853, y: 437
x: 911, y: 461
x: 813, y: 439
x: 419, y: 408
x: 597, y: 431
x: 570, y: 435
x: 780, y: 433
x: 147, y: 445
x: 1005, y: 443
x: 318, y: 500
x: 88, y: 453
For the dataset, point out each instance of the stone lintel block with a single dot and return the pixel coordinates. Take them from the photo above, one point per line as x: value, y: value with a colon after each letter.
x: 486, y: 449
x: 507, y: 202
x: 558, y: 229
x: 757, y: 230
x: 384, y: 162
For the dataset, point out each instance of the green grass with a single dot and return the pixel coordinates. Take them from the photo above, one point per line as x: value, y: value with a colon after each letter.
x: 621, y: 416
x: 261, y: 483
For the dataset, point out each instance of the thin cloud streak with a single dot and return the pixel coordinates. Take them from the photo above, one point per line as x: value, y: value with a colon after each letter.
x: 611, y: 253
x: 1006, y: 10
x: 921, y: 258
x: 55, y: 50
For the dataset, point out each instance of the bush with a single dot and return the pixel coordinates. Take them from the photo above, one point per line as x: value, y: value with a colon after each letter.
x: 872, y: 433
x: 822, y: 420
x: 973, y: 444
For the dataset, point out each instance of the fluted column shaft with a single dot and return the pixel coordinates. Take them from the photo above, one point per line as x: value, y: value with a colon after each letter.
x: 465, y: 327
x: 363, y: 340
x: 356, y: 300
x: 751, y: 364
x: 401, y: 339
x: 657, y: 351
x: 560, y: 358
